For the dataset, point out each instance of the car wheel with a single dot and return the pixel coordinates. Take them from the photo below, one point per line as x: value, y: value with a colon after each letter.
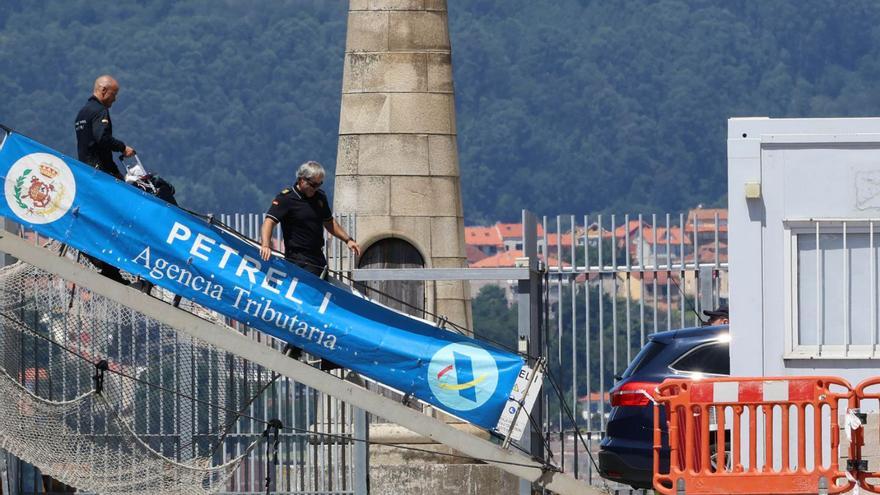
x: 713, y: 458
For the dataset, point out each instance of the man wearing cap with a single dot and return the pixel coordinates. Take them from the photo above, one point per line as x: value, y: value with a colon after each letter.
x: 717, y: 316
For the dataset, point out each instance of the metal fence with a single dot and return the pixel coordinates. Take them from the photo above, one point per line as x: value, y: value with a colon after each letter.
x: 308, y: 461
x: 611, y: 282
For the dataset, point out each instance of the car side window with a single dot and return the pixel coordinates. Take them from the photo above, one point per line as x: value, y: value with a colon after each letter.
x: 712, y: 358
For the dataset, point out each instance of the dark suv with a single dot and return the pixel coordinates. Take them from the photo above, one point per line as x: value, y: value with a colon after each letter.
x: 626, y: 452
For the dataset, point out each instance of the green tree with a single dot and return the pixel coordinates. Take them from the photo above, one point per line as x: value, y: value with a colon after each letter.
x: 494, y: 320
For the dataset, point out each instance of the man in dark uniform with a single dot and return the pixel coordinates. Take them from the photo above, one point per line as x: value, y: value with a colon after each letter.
x: 304, y: 214
x: 717, y: 316
x: 95, y: 145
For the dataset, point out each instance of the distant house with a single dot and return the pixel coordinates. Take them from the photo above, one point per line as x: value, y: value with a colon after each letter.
x: 563, y: 243
x: 508, y: 259
x: 474, y: 254
x: 502, y: 259
x: 662, y: 247
x: 512, y: 235
x: 707, y: 223
x: 486, y: 240
x: 649, y: 248
x: 483, y: 242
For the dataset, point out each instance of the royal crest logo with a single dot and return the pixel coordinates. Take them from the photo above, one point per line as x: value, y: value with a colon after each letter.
x: 40, y: 188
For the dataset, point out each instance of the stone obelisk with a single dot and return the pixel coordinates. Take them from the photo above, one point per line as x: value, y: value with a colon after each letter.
x: 397, y: 165
x: 397, y: 171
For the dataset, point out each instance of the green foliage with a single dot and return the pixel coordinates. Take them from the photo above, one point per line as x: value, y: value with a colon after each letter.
x: 224, y: 99
x: 494, y: 320
x: 608, y: 332
x: 565, y: 106
x: 586, y: 105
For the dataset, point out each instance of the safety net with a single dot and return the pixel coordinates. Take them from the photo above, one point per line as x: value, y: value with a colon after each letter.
x: 106, y: 400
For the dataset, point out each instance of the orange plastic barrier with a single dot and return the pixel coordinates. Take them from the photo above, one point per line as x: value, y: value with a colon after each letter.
x: 705, y: 458
x: 859, y: 469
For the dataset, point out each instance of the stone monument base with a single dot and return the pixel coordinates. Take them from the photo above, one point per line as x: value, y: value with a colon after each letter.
x: 396, y: 471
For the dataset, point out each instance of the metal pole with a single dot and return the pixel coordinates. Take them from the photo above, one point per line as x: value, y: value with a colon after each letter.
x: 529, y: 309
x: 4, y: 474
x: 706, y: 294
x: 7, y: 225
x: 361, y: 452
x: 8, y: 463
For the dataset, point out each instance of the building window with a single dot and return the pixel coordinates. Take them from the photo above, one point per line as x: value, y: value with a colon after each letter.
x: 833, y: 295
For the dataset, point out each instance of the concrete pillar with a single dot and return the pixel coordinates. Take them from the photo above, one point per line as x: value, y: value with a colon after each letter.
x: 397, y: 164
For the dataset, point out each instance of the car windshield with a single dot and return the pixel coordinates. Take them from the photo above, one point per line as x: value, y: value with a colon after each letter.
x: 647, y: 353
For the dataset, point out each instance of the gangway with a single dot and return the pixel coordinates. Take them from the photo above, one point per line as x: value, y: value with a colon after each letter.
x: 236, y: 343
x: 48, y: 215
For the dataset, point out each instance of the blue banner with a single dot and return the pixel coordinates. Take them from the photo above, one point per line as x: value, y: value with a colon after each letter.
x: 89, y: 210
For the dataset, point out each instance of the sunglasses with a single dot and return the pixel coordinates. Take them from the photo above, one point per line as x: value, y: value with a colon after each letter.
x: 313, y: 183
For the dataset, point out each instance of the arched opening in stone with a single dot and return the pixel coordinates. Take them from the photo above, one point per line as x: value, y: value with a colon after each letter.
x: 405, y: 295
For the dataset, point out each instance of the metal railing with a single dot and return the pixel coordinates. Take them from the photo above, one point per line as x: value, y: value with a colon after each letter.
x: 309, y: 462
x: 604, y: 291
x: 611, y: 282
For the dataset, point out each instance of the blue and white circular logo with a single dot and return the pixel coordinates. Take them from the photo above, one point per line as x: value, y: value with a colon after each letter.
x: 39, y: 188
x: 462, y: 376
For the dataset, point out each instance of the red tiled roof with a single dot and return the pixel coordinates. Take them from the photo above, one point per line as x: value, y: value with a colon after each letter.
x: 705, y: 227
x: 502, y: 259
x: 707, y: 214
x: 554, y: 239
x: 30, y: 374
x: 482, y: 236
x: 632, y: 227
x: 673, y: 235
x: 705, y: 218
x: 514, y: 230
x: 474, y: 254
x: 707, y: 254
x: 506, y: 259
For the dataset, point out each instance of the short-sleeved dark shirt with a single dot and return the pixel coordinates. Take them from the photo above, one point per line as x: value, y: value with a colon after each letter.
x: 302, y: 220
x: 95, y: 143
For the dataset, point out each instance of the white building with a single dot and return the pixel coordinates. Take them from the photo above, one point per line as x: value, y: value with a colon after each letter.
x: 804, y: 202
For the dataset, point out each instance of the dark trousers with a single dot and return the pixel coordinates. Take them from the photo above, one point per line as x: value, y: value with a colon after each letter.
x: 107, y: 270
x: 311, y: 261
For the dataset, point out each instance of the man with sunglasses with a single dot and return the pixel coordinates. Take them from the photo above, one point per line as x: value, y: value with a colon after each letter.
x: 304, y: 213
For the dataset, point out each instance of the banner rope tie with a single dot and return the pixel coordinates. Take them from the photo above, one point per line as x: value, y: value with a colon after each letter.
x: 98, y: 378
x: 272, y: 430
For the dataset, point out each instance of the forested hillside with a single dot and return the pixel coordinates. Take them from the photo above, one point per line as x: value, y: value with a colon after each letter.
x: 567, y: 106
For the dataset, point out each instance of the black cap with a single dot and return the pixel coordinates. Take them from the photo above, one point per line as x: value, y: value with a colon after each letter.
x: 721, y: 311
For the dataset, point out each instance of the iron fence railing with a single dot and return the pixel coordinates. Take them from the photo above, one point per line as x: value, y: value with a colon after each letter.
x: 611, y: 282
x: 308, y: 461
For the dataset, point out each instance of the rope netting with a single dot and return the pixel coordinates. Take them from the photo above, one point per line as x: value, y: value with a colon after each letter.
x: 165, y: 405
